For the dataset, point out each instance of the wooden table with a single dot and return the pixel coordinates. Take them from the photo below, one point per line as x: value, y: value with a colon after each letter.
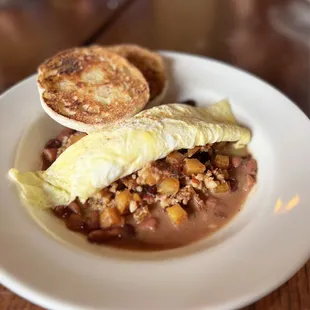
x: 238, y: 32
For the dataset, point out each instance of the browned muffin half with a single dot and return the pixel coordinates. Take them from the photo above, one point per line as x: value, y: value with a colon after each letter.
x: 151, y: 65
x: 87, y: 88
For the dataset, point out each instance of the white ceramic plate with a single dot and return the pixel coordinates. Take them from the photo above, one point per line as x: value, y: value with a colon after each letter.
x: 259, y: 250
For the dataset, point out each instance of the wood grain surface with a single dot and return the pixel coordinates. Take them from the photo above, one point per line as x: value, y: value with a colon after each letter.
x: 238, y: 32
x: 31, y: 33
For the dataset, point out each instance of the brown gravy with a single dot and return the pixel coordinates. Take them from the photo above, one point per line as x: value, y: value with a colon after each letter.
x: 200, y: 223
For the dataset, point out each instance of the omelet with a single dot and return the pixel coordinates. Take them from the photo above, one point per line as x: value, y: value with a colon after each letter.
x: 100, y: 158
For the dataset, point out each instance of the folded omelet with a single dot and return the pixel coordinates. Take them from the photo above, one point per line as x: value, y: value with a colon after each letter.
x: 99, y: 159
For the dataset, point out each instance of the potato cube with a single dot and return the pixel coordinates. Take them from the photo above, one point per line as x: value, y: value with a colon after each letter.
x: 221, y: 161
x: 177, y: 214
x: 122, y: 200
x: 141, y: 214
x: 147, y: 177
x: 222, y: 188
x: 193, y: 166
x: 136, y: 197
x: 150, y: 180
x: 111, y: 217
x: 169, y: 186
x: 175, y: 158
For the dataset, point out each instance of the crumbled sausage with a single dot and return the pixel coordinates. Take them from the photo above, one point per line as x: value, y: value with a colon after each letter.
x: 141, y: 214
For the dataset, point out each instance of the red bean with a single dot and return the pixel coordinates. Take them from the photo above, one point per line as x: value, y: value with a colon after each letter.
x: 53, y: 143
x: 45, y: 163
x: 75, y: 222
x: 150, y: 223
x: 92, y: 220
x: 62, y: 211
x: 149, y: 190
x: 128, y: 231
x: 50, y: 154
x: 104, y: 235
x: 74, y: 207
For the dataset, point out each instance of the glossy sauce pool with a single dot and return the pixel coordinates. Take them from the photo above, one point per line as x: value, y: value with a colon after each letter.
x: 200, y: 224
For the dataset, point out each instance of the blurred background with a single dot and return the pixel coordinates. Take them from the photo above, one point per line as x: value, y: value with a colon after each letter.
x: 269, y: 38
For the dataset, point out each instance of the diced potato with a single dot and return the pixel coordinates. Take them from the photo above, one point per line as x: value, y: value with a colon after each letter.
x: 221, y: 161
x: 192, y: 151
x: 75, y: 138
x: 222, y: 188
x: 111, y: 217
x: 175, y: 158
x: 193, y: 166
x: 141, y: 214
x: 177, y: 214
x: 136, y: 197
x: 169, y: 186
x: 148, y: 178
x: 122, y: 200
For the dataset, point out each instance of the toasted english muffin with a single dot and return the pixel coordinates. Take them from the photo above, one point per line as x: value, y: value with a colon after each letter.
x: 150, y: 64
x: 87, y: 88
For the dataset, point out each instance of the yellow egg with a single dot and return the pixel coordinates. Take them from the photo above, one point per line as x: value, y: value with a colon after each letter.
x: 101, y: 158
